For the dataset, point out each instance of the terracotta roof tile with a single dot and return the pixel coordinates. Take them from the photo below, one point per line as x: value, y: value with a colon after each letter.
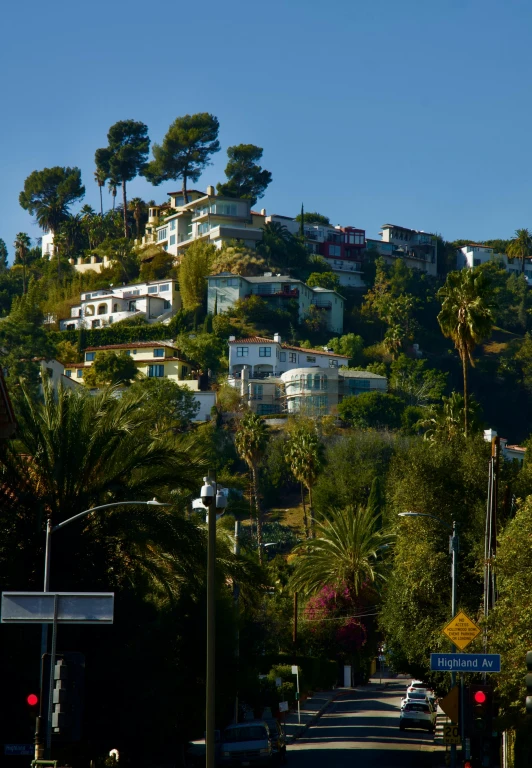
x: 136, y: 345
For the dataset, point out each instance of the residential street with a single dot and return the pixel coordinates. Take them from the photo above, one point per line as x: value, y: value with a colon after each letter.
x: 362, y: 728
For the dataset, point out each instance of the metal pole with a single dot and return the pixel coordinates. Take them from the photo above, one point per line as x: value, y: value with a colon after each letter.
x: 236, y: 594
x: 294, y: 636
x: 44, y: 637
x: 298, y: 700
x: 51, y: 683
x: 454, y: 580
x: 210, y: 691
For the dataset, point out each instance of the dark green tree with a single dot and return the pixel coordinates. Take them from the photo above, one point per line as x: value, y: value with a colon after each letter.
x: 324, y: 280
x: 185, y: 151
x: 173, y: 406
x: 110, y: 368
x: 245, y: 177
x: 125, y: 156
x: 3, y: 256
x: 313, y: 218
x: 376, y: 410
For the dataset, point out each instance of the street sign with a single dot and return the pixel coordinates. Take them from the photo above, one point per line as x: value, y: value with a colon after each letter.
x: 283, y: 706
x: 465, y: 662
x: 20, y: 750
x: 461, y: 631
x: 451, y: 704
x: 451, y: 734
x: 72, y: 607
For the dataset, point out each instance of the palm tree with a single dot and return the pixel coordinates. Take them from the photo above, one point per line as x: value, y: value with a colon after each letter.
x: 521, y: 246
x: 22, y: 245
x: 112, y: 187
x: 100, y: 178
x: 304, y: 451
x: 136, y: 205
x: 251, y: 439
x: 87, y: 214
x: 466, y: 317
x: 75, y: 451
x: 347, y: 553
x: 446, y: 423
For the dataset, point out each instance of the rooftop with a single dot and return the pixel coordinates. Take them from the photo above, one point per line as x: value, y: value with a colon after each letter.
x: 136, y: 345
x: 406, y: 229
x: 264, y: 340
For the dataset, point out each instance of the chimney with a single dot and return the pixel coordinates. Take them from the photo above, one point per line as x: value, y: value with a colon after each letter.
x: 210, y: 191
x: 263, y: 211
x: 232, y: 338
x: 277, y: 337
x: 244, y: 381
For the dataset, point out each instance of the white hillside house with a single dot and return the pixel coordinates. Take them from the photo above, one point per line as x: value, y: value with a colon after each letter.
x: 157, y: 301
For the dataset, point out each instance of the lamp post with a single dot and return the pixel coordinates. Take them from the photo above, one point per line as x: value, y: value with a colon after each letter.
x: 211, y: 496
x: 50, y: 529
x: 453, y: 549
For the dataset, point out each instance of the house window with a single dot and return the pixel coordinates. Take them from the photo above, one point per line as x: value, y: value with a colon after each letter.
x: 292, y: 357
x: 153, y: 289
x: 172, y: 225
x: 132, y: 306
x: 89, y: 356
x: 162, y: 234
x: 172, y: 239
x: 282, y: 357
x: 184, y: 370
x: 79, y: 373
x: 165, y: 247
x: 115, y: 307
x: 242, y: 351
x: 158, y: 352
x: 128, y: 352
x: 156, y: 371
x: 334, y: 250
x: 166, y: 304
x: 71, y: 327
x: 265, y: 351
x: 68, y: 373
x: 333, y: 363
x: 257, y: 391
x: 477, y: 262
x: 311, y: 359
x: 164, y: 287
x: 95, y: 323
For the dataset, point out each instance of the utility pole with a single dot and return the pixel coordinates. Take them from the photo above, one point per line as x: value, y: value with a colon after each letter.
x: 236, y: 595
x: 294, y: 636
x: 454, y: 547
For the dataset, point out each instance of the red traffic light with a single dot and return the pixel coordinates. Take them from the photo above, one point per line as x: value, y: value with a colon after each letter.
x: 32, y: 699
x: 467, y: 764
x: 480, y: 697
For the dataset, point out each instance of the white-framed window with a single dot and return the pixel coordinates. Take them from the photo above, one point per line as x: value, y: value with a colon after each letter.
x: 89, y: 356
x: 172, y: 225
x: 79, y: 373
x: 162, y: 234
x: 156, y: 371
x: 164, y: 287
x: 282, y: 357
x: 158, y: 352
x: 68, y: 373
x: 265, y: 351
x: 242, y: 351
x: 152, y: 289
x: 292, y: 357
x: 311, y: 359
x: 172, y: 239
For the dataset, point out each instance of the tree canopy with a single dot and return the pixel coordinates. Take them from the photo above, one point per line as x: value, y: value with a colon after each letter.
x: 185, y: 151
x: 245, y: 177
x: 48, y: 195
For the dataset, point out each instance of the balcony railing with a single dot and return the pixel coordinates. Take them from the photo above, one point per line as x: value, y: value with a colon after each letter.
x: 288, y: 294
x: 322, y: 304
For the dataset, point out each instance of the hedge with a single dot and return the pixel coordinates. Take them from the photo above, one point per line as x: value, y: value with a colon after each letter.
x: 317, y: 673
x: 98, y: 337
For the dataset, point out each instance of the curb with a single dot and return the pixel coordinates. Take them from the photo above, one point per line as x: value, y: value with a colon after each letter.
x: 313, y: 719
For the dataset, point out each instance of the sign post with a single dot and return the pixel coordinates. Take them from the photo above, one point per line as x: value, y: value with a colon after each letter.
x: 295, y: 671
x: 56, y: 608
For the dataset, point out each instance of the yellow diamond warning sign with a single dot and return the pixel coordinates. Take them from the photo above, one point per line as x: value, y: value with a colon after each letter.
x: 461, y: 631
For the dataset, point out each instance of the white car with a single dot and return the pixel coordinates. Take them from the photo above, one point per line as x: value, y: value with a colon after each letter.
x: 419, y: 685
x: 418, y: 714
x: 416, y: 696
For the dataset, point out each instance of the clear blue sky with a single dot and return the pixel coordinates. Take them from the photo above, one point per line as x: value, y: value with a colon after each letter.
x: 415, y: 112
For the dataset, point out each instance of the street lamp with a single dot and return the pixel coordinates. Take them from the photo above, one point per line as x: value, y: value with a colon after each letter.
x: 453, y: 549
x: 50, y: 529
x: 211, y: 494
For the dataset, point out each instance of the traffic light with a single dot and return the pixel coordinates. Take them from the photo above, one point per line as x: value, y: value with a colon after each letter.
x: 32, y: 700
x: 481, y: 710
x: 528, y: 682
x: 67, y: 696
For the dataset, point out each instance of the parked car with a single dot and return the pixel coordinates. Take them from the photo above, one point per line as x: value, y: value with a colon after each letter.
x: 418, y: 714
x: 278, y: 738
x: 248, y: 744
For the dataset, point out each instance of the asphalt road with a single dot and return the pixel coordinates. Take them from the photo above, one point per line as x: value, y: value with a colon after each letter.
x: 362, y: 729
